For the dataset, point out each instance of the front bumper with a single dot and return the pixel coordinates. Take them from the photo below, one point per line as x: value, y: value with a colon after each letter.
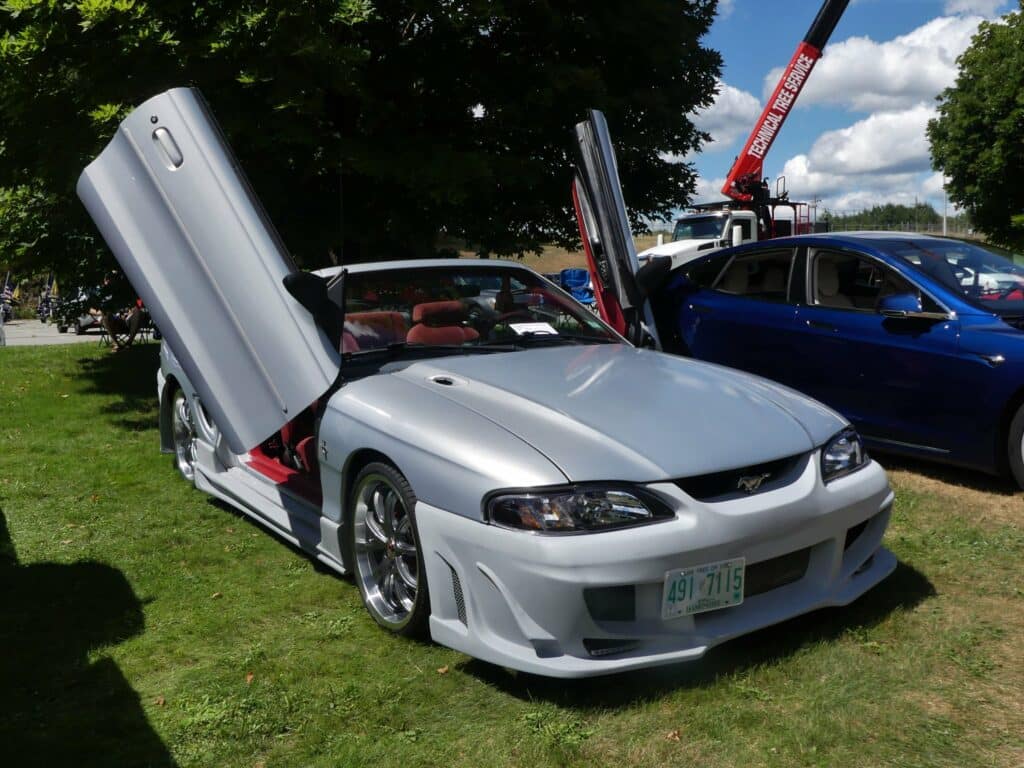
x: 518, y: 599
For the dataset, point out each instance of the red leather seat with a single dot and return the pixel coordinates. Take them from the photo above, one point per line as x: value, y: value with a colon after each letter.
x: 440, y: 322
x: 375, y: 330
x: 306, y: 451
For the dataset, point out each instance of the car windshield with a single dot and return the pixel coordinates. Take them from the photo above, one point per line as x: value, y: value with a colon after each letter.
x: 987, y: 279
x: 700, y: 228
x: 462, y: 309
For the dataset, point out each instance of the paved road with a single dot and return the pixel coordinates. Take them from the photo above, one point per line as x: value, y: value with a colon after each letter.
x: 27, y: 333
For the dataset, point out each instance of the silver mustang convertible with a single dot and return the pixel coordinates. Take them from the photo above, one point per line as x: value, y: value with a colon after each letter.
x: 505, y: 474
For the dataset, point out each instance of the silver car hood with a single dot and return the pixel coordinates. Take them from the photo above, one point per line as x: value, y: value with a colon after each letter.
x: 613, y: 412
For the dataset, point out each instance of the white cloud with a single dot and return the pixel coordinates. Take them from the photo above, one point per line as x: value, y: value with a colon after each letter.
x: 885, y: 142
x: 981, y: 7
x: 883, y: 158
x: 725, y: 8
x: 861, y: 74
x: 729, y: 118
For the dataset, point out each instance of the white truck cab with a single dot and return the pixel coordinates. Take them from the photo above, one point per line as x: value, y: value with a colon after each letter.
x: 700, y: 232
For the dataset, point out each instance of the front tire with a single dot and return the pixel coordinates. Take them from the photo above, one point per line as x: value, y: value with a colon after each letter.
x: 183, y: 430
x: 1015, y: 447
x: 384, y: 545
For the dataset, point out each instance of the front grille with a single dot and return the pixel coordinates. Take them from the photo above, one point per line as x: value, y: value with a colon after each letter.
x: 777, y: 572
x: 719, y: 486
x: 460, y: 602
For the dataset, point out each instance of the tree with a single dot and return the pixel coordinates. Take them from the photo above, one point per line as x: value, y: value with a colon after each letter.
x: 369, y: 127
x: 976, y: 140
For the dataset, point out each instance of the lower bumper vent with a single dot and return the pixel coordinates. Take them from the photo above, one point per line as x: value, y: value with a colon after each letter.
x: 777, y: 572
x: 460, y: 602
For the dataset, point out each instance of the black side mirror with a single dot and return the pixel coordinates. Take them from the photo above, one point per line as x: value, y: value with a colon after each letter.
x: 311, y: 292
x: 651, y: 276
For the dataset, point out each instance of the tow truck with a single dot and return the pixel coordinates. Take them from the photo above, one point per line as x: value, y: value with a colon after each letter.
x: 751, y: 212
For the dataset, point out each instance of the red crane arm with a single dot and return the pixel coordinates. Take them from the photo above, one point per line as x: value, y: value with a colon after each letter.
x: 748, y: 169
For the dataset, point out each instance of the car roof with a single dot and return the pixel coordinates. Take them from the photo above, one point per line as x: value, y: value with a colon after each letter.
x: 383, y: 266
x: 853, y: 238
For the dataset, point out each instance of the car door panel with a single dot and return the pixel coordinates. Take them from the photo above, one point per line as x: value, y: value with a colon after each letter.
x: 744, y: 325
x: 176, y: 210
x: 606, y: 234
x: 890, y: 376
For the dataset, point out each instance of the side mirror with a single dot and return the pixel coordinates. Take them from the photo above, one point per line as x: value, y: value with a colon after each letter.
x: 652, y: 275
x: 311, y: 292
x: 900, y: 305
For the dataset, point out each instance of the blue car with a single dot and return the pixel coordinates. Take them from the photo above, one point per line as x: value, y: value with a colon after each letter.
x: 917, y: 340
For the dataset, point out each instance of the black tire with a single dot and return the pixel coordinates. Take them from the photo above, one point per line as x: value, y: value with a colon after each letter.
x: 382, y: 562
x: 1015, y: 447
x: 62, y: 329
x: 79, y: 330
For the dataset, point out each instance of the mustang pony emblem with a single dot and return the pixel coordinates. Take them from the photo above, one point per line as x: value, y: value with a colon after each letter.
x: 751, y: 483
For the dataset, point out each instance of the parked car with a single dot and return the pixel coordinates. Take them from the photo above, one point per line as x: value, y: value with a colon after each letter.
x: 918, y: 340
x: 496, y: 485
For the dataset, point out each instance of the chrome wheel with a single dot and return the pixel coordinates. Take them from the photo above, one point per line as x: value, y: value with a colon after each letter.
x: 184, y: 432
x: 387, y: 558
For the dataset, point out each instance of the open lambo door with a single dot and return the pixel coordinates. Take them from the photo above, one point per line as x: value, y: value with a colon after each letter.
x: 607, y: 237
x: 175, y: 208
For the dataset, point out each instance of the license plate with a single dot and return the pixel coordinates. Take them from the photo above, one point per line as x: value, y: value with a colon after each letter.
x: 702, y: 588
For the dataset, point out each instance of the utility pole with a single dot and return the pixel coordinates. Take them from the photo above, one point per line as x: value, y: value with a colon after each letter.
x: 945, y: 205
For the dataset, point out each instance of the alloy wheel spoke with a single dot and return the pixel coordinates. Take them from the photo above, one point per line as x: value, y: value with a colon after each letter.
x: 391, y: 506
x: 407, y: 575
x: 379, y: 513
x: 374, y: 531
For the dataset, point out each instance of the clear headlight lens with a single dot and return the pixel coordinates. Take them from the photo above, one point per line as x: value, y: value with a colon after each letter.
x: 574, y: 510
x: 842, y: 455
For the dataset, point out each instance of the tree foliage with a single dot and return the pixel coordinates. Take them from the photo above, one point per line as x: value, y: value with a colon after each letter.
x: 368, y: 125
x: 921, y: 217
x: 977, y: 140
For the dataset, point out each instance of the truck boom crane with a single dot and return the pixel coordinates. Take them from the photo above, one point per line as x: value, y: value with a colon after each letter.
x: 745, y: 180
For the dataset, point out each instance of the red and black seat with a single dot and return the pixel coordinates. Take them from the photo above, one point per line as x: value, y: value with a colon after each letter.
x: 440, y: 322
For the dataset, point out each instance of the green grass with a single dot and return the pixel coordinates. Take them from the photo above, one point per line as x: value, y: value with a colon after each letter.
x: 134, y: 610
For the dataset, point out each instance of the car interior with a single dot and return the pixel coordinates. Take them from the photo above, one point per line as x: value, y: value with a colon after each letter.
x: 847, y: 281
x: 763, y: 276
x: 430, y: 307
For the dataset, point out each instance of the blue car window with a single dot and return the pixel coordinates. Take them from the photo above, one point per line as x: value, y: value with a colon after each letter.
x: 763, y: 275
x: 844, y: 280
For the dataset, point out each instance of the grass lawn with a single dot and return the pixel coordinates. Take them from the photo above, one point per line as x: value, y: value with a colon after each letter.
x: 144, y: 624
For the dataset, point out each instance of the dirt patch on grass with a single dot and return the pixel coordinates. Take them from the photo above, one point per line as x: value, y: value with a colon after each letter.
x: 983, y: 498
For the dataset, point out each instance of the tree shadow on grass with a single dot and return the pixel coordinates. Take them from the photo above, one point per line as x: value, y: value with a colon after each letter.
x: 131, y: 375
x: 946, y: 473
x: 58, y: 708
x: 905, y: 588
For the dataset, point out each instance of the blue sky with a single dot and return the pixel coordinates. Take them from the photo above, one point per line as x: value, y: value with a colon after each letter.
x: 856, y: 137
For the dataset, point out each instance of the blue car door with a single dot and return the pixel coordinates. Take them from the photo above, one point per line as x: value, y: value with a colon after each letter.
x: 745, y: 318
x: 892, y: 377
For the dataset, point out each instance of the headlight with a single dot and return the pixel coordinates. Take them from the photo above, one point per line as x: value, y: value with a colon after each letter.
x: 574, y: 510
x: 842, y: 455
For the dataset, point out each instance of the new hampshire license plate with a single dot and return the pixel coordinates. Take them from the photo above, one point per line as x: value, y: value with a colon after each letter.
x: 702, y: 588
